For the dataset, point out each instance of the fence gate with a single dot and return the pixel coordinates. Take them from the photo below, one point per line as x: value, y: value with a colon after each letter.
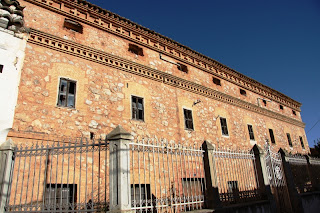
x: 277, y: 179
x: 59, y: 176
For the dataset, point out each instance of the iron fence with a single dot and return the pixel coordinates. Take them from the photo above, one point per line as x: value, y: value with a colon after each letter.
x: 235, y: 175
x: 166, y: 176
x: 63, y: 176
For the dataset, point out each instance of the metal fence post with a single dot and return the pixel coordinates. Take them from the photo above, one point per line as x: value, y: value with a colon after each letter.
x: 6, y: 162
x: 212, y: 199
x: 120, y: 195
x: 295, y: 199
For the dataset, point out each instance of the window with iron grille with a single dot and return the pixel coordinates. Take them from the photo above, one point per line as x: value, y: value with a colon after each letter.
x: 224, y: 127
x: 192, y: 186
x: 289, y: 139
x: 67, y: 93
x: 272, y: 136
x: 140, y: 193
x: 60, y: 196
x: 250, y: 130
x: 301, y: 142
x: 137, y: 108
x: 188, y: 122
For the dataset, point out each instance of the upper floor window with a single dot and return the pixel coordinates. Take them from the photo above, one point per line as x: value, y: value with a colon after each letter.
x: 188, y: 122
x: 73, y: 25
x: 272, y: 136
x: 243, y: 92
x: 135, y: 49
x: 216, y: 81
x: 294, y: 112
x: 281, y: 107
x: 224, y: 127
x: 289, y: 139
x: 67, y: 93
x: 182, y: 67
x: 250, y: 130
x: 301, y: 142
x: 137, y: 108
x: 264, y: 102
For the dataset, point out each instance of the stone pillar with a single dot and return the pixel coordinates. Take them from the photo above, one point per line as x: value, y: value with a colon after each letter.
x: 262, y: 176
x: 212, y: 199
x: 6, y: 162
x: 295, y: 199
x: 119, y: 176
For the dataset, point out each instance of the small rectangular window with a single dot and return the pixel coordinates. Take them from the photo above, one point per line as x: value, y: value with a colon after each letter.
x: 67, y: 93
x: 272, y: 136
x: 60, y: 196
x: 73, y: 25
x: 216, y: 81
x: 182, y: 67
x: 301, y: 142
x: 289, y: 139
x: 224, y: 127
x: 250, y: 130
x: 192, y: 186
x: 137, y: 108
x: 140, y: 194
x: 243, y: 92
x: 1, y: 68
x: 294, y: 112
x: 188, y: 122
x: 135, y: 49
x: 281, y: 107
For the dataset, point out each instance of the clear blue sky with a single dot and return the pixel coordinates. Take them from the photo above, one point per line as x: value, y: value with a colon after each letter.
x: 276, y: 42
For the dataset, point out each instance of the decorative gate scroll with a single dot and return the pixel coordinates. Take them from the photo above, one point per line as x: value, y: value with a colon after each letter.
x: 277, y: 179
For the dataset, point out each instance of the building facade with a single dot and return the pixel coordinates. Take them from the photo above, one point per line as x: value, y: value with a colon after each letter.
x: 87, y: 70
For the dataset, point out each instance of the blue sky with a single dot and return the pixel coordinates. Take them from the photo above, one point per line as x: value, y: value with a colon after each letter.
x: 276, y: 42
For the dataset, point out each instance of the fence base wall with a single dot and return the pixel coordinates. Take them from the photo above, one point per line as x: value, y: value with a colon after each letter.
x: 311, y: 202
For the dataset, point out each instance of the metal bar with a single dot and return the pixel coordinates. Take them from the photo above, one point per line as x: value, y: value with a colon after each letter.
x: 164, y: 176
x: 34, y: 175
x: 133, y: 182
x: 151, y: 203
x: 61, y: 188
x: 68, y: 187
x: 28, y: 180
x: 74, y: 180
x: 92, y: 164
x: 81, y: 143
x: 86, y: 185
x: 56, y: 180
x: 145, y: 183
x: 45, y: 178
x: 24, y: 167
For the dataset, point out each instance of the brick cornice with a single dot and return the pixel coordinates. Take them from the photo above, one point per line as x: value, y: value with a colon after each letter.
x: 72, y: 48
x: 93, y: 15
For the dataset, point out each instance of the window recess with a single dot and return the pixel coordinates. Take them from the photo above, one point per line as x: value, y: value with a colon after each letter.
x: 182, y: 67
x: 135, y: 49
x: 243, y: 92
x: 224, y: 127
x: 272, y: 136
x: 73, y: 25
x: 251, y: 134
x: 216, y: 81
x: 67, y: 93
x: 1, y: 68
x: 289, y: 139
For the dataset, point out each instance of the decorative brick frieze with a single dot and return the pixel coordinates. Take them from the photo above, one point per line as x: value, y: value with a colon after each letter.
x: 105, y: 20
x: 97, y: 56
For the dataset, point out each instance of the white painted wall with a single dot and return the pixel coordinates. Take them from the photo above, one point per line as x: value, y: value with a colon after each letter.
x: 12, y: 52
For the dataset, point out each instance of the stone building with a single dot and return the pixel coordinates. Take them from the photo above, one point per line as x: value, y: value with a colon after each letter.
x: 87, y: 70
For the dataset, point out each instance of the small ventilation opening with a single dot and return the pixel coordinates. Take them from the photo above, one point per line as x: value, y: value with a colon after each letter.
x: 1, y: 68
x: 281, y: 107
x: 135, y: 49
x: 216, y: 81
x: 294, y: 112
x: 264, y: 102
x: 243, y: 92
x: 182, y: 68
x: 73, y: 25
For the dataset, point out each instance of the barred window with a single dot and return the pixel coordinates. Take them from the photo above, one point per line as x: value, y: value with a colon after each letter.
x: 289, y: 139
x: 272, y: 136
x: 137, y: 108
x: 301, y: 142
x: 140, y: 192
x: 224, y: 127
x: 60, y: 196
x: 188, y: 119
x: 67, y: 93
x: 250, y: 130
